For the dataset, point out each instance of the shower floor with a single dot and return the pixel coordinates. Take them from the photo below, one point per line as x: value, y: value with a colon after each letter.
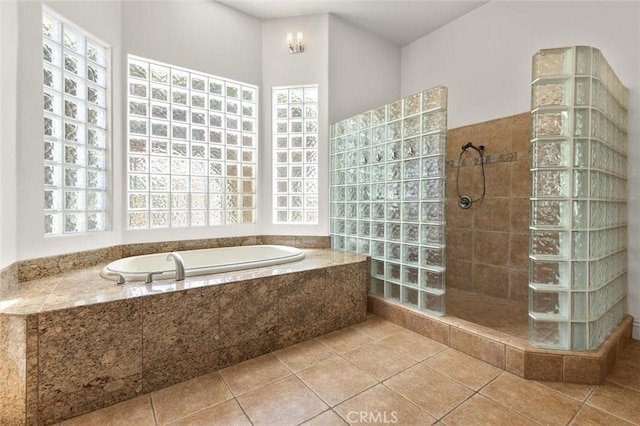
x: 507, y: 316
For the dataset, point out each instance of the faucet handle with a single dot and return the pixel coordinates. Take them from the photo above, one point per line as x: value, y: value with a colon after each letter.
x: 120, y: 277
x: 149, y: 278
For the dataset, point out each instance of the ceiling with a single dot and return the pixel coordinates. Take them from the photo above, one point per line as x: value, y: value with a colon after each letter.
x: 398, y: 21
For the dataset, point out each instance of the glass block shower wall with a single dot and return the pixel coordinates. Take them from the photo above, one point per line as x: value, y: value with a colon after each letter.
x: 578, y: 242
x: 387, y: 196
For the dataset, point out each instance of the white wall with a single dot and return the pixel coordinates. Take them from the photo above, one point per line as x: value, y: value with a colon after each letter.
x: 364, y: 70
x: 198, y: 34
x: 280, y: 68
x: 485, y: 56
x: 201, y: 35
x: 102, y: 19
x: 8, y: 79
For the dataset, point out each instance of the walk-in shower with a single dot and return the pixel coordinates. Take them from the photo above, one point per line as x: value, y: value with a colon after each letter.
x: 387, y: 200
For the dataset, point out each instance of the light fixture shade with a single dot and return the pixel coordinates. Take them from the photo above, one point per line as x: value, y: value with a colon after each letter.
x: 296, y: 47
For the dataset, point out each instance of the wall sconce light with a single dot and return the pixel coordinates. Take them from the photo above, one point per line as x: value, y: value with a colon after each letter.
x: 298, y: 47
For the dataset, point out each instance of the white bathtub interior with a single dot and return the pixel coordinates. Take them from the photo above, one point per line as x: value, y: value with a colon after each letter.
x: 202, y: 262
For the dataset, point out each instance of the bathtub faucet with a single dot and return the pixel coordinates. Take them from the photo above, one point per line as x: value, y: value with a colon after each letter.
x: 179, y: 265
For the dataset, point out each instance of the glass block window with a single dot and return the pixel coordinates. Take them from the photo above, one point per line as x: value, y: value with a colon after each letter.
x: 192, y: 141
x: 295, y: 154
x: 75, y: 129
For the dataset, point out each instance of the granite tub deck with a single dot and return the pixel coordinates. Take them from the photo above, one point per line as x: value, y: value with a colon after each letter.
x: 507, y: 352
x: 75, y: 342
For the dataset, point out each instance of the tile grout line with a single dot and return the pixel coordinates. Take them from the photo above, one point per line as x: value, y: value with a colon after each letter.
x: 153, y: 411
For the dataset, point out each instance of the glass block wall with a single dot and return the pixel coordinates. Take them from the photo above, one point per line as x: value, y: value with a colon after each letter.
x: 192, y: 148
x: 295, y: 154
x: 578, y: 242
x: 75, y: 91
x: 387, y: 196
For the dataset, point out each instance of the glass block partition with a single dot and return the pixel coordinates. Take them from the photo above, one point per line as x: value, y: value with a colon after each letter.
x: 578, y: 242
x: 387, y: 196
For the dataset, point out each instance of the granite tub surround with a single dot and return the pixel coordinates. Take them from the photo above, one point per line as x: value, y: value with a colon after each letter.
x: 8, y: 277
x: 31, y: 269
x: 83, y: 342
x: 507, y: 352
x: 13, y: 368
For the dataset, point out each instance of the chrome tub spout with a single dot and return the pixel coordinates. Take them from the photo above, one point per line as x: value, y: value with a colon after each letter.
x: 179, y: 265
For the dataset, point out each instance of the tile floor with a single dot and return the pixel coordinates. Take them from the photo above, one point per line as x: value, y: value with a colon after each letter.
x: 508, y: 316
x: 379, y: 372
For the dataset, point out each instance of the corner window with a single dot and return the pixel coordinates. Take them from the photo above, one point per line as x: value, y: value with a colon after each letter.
x: 192, y: 148
x: 295, y: 155
x: 75, y: 94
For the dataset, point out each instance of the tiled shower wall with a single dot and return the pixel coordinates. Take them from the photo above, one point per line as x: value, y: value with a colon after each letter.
x: 487, y: 245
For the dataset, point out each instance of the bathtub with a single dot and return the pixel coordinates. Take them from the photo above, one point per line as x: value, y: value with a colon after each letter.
x: 202, y: 262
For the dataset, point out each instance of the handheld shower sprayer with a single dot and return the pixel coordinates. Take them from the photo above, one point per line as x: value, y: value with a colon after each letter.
x: 464, y: 201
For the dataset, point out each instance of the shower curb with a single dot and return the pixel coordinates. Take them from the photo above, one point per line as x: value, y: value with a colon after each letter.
x: 509, y: 353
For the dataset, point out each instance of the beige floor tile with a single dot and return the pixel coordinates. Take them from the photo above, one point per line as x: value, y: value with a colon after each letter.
x: 136, y: 411
x: 626, y: 374
x: 414, y: 345
x: 617, y: 400
x: 328, y: 418
x: 381, y: 405
x: 480, y: 410
x: 305, y: 354
x: 380, y: 361
x: 631, y: 353
x: 252, y: 374
x: 465, y: 369
x: 224, y: 414
x: 531, y: 399
x: 573, y: 390
x: 433, y: 392
x: 346, y: 340
x: 590, y: 416
x: 186, y: 398
x: 287, y: 401
x: 378, y: 328
x: 336, y: 379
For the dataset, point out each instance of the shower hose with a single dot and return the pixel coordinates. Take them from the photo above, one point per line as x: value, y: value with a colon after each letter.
x: 464, y: 201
